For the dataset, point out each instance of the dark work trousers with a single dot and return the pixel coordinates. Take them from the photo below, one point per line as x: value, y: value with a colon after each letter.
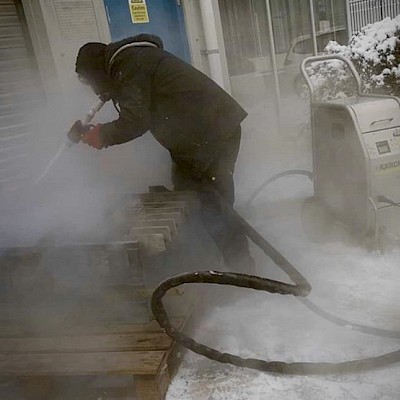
x: 225, y: 231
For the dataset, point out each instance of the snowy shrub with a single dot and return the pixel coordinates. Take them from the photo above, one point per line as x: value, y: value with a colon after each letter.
x: 374, y: 51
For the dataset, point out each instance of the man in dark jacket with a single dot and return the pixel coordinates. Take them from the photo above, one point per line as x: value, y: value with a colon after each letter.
x: 189, y: 114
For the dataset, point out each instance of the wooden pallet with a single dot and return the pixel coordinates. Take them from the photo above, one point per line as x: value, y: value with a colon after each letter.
x: 42, y: 336
x: 142, y: 351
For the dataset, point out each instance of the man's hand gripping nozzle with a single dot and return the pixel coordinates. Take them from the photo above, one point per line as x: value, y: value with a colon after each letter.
x: 75, y: 134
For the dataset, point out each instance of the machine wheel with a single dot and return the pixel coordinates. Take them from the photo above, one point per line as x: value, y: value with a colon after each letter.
x: 383, y: 243
x: 317, y: 222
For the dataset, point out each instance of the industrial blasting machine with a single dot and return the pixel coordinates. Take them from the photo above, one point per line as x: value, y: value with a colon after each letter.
x: 356, y: 157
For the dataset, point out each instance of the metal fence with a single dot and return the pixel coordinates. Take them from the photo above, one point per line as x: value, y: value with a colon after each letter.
x: 364, y: 12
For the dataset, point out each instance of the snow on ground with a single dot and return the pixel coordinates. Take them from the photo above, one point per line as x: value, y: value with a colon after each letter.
x: 347, y: 280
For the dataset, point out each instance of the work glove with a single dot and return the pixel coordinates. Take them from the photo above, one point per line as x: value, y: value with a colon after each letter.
x: 77, y: 131
x: 92, y: 137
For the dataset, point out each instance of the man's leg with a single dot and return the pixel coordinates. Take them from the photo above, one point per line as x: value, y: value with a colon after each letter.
x: 225, y: 231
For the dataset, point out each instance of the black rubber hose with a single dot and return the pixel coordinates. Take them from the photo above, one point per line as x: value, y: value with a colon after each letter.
x: 369, y: 330
x: 274, y: 178
x: 302, y: 284
x: 275, y: 367
x: 301, y: 288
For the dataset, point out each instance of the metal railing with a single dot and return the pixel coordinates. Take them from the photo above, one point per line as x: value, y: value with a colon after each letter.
x: 364, y: 12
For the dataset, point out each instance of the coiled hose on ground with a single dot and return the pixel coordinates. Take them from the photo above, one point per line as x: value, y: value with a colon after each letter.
x: 300, y: 289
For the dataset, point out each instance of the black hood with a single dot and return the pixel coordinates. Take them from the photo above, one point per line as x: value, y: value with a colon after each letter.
x: 91, y: 59
x: 140, y: 38
x: 91, y: 64
x: 146, y: 37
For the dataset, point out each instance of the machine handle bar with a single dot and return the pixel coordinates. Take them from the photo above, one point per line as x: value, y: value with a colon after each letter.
x: 328, y: 57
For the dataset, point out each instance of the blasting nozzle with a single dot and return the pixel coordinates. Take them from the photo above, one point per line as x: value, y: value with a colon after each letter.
x: 93, y: 111
x: 74, y: 137
x: 79, y: 128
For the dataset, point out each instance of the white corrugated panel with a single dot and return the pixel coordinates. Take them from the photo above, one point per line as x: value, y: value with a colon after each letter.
x: 18, y: 91
x: 76, y: 25
x: 77, y: 20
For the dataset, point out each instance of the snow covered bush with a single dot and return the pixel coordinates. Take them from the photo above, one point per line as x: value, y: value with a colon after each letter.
x: 374, y: 51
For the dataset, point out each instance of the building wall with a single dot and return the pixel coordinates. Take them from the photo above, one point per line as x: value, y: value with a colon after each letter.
x: 59, y: 27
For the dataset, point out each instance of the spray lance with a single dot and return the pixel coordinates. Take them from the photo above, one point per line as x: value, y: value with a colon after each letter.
x: 77, y: 132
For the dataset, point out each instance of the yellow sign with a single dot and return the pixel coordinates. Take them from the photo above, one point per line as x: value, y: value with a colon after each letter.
x: 139, y: 12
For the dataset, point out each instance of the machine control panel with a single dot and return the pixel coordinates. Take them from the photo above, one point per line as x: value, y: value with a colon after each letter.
x: 383, y: 147
x: 382, y: 143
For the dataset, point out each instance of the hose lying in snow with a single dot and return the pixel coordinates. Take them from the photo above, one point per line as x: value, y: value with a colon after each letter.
x: 310, y: 305
x: 369, y: 330
x: 277, y: 367
x: 274, y: 178
x: 301, y: 288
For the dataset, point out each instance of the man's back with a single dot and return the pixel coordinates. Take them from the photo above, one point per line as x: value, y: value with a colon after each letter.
x: 184, y: 109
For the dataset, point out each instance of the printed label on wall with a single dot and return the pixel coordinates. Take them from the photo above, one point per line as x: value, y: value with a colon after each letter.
x: 139, y: 12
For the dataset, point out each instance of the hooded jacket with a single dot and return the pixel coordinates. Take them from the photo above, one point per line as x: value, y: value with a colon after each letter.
x: 187, y: 112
